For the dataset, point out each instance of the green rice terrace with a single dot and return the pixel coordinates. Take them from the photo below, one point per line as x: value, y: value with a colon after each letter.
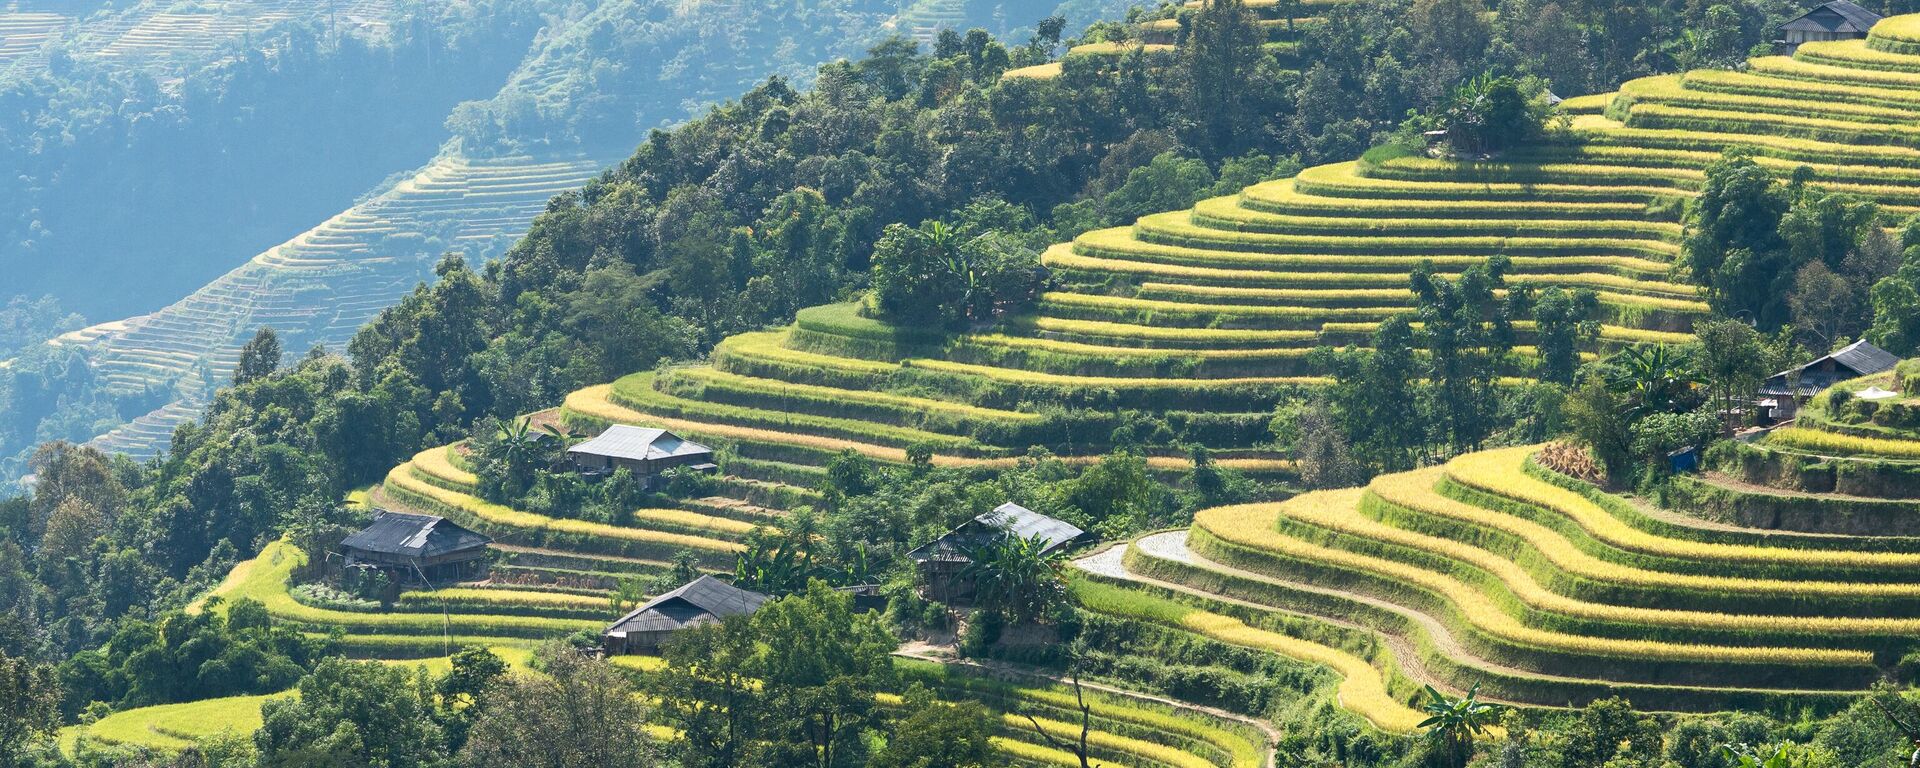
x: 1785, y: 578
x: 162, y: 34
x: 1126, y: 728
x: 322, y: 285
x: 1203, y: 318
x: 1156, y: 39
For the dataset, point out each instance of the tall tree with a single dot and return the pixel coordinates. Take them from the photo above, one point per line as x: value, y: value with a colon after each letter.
x: 1563, y: 325
x: 1468, y: 333
x: 1222, y: 51
x: 260, y: 357
x: 29, y: 706
x: 580, y: 712
x: 353, y: 713
x: 824, y: 672
x: 1732, y: 358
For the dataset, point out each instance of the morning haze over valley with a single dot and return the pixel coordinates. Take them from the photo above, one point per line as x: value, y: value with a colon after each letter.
x: 959, y: 383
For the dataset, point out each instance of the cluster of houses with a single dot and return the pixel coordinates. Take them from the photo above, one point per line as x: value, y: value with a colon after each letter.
x: 427, y: 551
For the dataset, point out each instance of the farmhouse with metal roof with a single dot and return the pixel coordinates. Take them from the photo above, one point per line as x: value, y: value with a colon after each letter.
x: 1851, y: 362
x: 417, y: 549
x: 704, y: 600
x: 646, y: 452
x: 1837, y: 20
x: 942, y: 560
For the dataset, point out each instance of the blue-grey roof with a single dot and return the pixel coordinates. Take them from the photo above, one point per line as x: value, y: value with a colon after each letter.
x: 408, y: 535
x: 1836, y: 16
x: 1865, y: 359
x: 1852, y: 361
x: 1008, y: 518
x: 701, y: 601
x: 621, y: 441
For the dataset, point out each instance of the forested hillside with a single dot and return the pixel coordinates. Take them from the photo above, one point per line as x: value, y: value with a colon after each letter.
x: 180, y: 154
x: 1406, y: 414
x: 576, y: 100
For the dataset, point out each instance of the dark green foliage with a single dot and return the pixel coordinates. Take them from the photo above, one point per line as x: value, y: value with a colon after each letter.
x: 1606, y: 730
x: 579, y: 711
x: 805, y: 701
x: 1489, y: 114
x: 1375, y: 407
x: 939, y: 276
x: 1564, y: 325
x: 219, y: 651
x: 1222, y: 55
x: 1752, y: 242
x: 1467, y: 332
x: 937, y: 734
x: 259, y: 358
x: 1453, y: 724
x: 29, y: 699
x: 1896, y: 298
x: 353, y: 713
x: 1015, y: 576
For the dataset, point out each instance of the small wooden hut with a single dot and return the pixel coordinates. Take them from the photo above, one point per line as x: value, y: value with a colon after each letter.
x: 417, y: 550
x: 704, y: 600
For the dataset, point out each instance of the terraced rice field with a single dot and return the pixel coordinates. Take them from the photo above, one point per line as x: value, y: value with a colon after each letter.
x: 1204, y: 317
x: 153, y: 34
x: 1852, y: 469
x: 24, y: 33
x: 1127, y: 729
x: 322, y: 285
x: 1157, y: 39
x: 1492, y: 570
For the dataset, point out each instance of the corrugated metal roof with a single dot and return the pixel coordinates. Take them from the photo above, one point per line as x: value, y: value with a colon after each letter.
x: 701, y: 601
x: 1835, y: 16
x: 408, y: 535
x: 1004, y: 519
x: 621, y: 441
x: 1866, y: 358
x: 1027, y: 524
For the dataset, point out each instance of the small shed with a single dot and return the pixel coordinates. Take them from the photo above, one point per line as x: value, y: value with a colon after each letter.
x: 1791, y: 387
x: 420, y: 550
x: 1837, y: 20
x: 942, y: 560
x: 646, y: 452
x: 704, y: 600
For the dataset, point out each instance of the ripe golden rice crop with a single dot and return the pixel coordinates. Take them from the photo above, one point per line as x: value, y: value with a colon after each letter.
x: 1414, y: 490
x: 1500, y: 472
x: 1252, y: 526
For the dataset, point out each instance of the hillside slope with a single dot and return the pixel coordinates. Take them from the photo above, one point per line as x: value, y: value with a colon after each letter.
x: 578, y: 100
x: 1201, y: 319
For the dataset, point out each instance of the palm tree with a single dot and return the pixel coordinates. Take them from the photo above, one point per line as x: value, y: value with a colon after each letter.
x: 1455, y: 723
x: 1016, y: 575
x: 516, y: 441
x: 1656, y: 376
x: 564, y: 439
